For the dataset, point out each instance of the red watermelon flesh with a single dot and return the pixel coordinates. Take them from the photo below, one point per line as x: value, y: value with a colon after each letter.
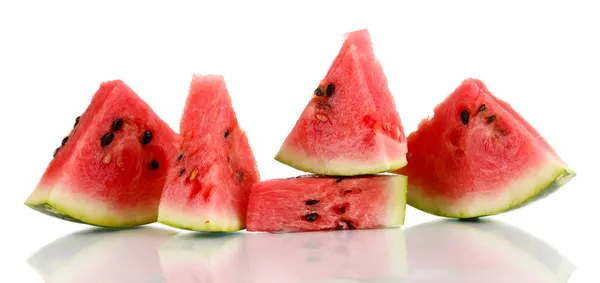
x: 111, y: 168
x: 477, y: 156
x: 208, y: 188
x: 326, y: 256
x: 350, y: 125
x: 314, y: 203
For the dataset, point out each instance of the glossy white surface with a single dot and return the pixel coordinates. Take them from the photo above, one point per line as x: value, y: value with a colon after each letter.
x: 541, y: 56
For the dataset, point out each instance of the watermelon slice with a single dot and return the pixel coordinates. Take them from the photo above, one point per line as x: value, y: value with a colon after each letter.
x: 350, y: 126
x: 93, y: 255
x: 481, y: 251
x: 111, y: 168
x: 313, y: 203
x: 208, y: 188
x: 477, y: 156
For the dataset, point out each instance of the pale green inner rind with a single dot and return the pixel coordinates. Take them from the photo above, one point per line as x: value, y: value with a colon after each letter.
x: 305, y: 163
x: 68, y: 205
x: 533, y: 186
x: 397, y: 205
x: 198, y: 222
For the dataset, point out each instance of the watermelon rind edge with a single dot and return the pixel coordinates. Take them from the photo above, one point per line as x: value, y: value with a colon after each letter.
x: 178, y: 220
x: 337, y: 168
x: 562, y: 175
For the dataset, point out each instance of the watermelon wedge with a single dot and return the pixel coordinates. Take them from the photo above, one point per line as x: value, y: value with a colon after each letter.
x: 111, y: 168
x: 477, y: 156
x: 207, y: 190
x: 350, y: 125
x: 315, y: 203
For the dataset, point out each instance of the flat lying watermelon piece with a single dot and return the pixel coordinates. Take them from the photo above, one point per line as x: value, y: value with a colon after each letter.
x: 111, y: 168
x: 477, y: 156
x: 314, y: 203
x: 350, y: 126
x: 208, y: 188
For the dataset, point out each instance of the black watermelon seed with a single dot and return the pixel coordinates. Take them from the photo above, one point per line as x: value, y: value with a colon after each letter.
x: 107, y: 139
x: 311, y: 217
x: 482, y: 107
x: 116, y: 125
x: 64, y: 141
x: 491, y: 118
x: 76, y: 121
x: 338, y: 180
x: 147, y: 137
x: 180, y: 157
x: 55, y: 152
x: 312, y: 201
x: 153, y: 165
x: 240, y: 176
x: 318, y: 92
x: 347, y: 191
x: 181, y: 172
x: 349, y: 224
x: 226, y: 133
x: 330, y: 89
x: 464, y: 116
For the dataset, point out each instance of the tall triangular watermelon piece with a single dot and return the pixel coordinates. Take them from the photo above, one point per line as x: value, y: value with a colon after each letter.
x: 208, y: 188
x: 111, y: 168
x: 350, y: 125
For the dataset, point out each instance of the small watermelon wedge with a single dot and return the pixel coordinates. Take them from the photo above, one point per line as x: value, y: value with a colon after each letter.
x: 476, y: 156
x: 317, y: 203
x: 207, y: 190
x: 350, y: 126
x: 111, y: 168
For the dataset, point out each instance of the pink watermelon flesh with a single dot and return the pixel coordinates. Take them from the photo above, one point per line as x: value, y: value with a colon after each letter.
x: 106, y: 173
x: 350, y: 126
x: 314, y: 203
x: 325, y: 256
x: 501, y: 252
x: 477, y: 156
x: 208, y: 188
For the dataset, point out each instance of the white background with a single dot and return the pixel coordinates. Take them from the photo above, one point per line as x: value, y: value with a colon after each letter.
x: 542, y: 57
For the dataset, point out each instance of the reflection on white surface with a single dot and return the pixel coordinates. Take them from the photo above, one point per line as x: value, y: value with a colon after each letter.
x: 440, y: 251
x: 482, y: 251
x: 98, y: 255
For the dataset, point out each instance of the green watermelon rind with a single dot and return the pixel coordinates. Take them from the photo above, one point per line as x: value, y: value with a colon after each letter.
x: 560, y: 175
x: 81, y: 210
x: 336, y: 168
x: 397, y: 207
x: 196, y: 223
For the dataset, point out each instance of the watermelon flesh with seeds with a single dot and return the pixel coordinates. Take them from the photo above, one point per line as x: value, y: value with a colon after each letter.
x: 317, y: 203
x: 350, y: 125
x: 477, y: 156
x: 207, y: 189
x: 111, y: 168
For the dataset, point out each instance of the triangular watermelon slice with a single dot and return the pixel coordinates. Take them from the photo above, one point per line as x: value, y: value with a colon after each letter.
x: 111, y: 168
x: 350, y: 126
x: 208, y: 188
x: 477, y: 156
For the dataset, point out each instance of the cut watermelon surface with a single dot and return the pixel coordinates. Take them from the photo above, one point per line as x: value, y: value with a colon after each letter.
x: 350, y: 125
x: 208, y: 188
x: 314, y: 203
x: 477, y: 156
x: 111, y: 168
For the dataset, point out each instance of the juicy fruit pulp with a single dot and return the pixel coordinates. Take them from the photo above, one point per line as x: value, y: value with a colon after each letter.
x: 208, y: 188
x: 477, y: 156
x: 313, y: 203
x: 104, y: 173
x: 350, y: 126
